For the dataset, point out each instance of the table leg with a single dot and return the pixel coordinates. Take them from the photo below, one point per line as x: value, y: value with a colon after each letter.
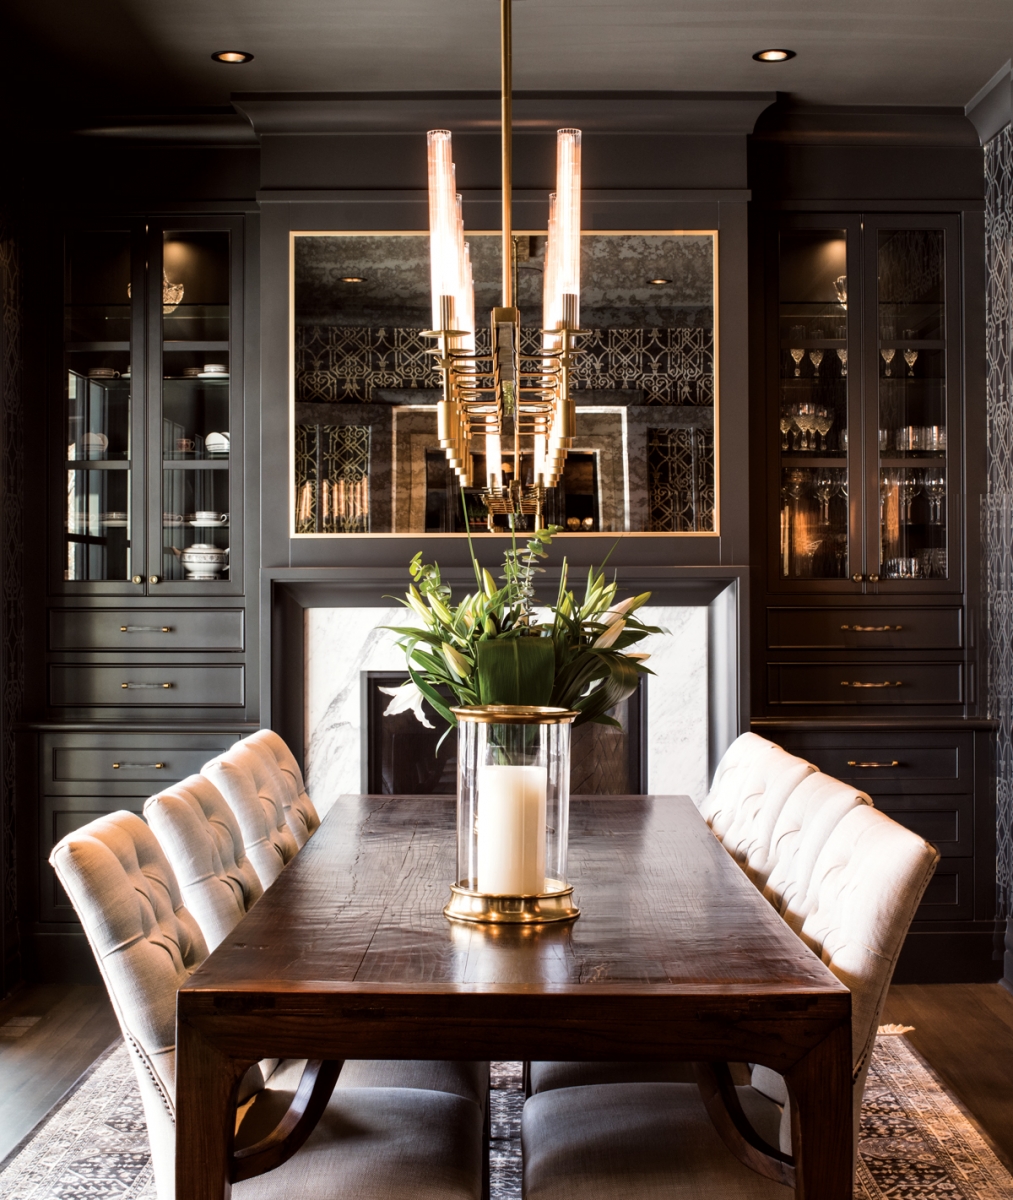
x: 822, y: 1129
x: 206, y: 1086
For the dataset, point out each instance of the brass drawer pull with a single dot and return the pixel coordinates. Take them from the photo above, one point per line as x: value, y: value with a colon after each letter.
x: 154, y: 629
x: 145, y: 685
x: 140, y: 766
x: 885, y: 683
x: 872, y: 628
x: 872, y: 766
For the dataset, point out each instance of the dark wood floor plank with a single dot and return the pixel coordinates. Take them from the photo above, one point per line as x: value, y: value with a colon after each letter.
x: 76, y: 1024
x: 965, y: 1032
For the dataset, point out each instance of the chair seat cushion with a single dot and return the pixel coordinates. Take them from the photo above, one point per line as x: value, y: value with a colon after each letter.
x: 546, y: 1076
x: 377, y: 1144
x: 638, y: 1141
x: 469, y: 1080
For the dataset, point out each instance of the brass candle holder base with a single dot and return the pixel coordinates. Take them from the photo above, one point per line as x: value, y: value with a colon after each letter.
x: 479, y: 908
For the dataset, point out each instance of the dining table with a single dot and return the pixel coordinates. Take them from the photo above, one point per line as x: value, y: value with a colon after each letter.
x: 675, y: 956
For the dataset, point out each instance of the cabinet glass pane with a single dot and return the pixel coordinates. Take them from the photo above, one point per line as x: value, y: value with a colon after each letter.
x: 97, y: 399
x: 911, y: 370
x: 195, y: 433
x: 813, y: 419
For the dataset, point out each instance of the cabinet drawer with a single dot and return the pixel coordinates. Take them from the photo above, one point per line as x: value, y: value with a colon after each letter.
x: 945, y: 821
x: 862, y: 684
x: 950, y: 894
x: 865, y: 628
x: 84, y: 763
x: 150, y: 629
x: 157, y: 686
x: 891, y: 763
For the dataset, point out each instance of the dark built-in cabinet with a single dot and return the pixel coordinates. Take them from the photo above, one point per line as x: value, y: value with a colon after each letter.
x: 146, y: 646
x: 867, y: 656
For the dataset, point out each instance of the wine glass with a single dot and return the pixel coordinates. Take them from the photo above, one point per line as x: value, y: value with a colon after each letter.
x: 841, y: 287
x: 805, y: 419
x: 797, y: 355
x: 843, y: 356
x: 786, y: 424
x: 824, y: 420
x: 907, y: 489
x: 910, y: 357
x: 816, y: 357
x: 824, y: 489
x: 888, y: 359
x: 935, y: 492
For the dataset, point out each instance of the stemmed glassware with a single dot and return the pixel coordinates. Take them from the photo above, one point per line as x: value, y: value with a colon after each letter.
x: 910, y: 357
x: 787, y: 422
x: 935, y: 493
x: 797, y: 355
x: 907, y: 489
x: 816, y: 357
x: 843, y: 356
x: 805, y: 419
x: 888, y: 359
x: 824, y: 420
x: 824, y: 488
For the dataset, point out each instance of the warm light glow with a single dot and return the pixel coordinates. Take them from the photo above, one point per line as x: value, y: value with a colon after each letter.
x: 353, y: 279
x: 444, y: 242
x: 773, y: 55
x: 568, y: 217
x: 232, y: 56
x: 658, y: 282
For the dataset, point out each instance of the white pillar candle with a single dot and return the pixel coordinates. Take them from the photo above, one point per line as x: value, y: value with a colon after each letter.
x: 511, y: 830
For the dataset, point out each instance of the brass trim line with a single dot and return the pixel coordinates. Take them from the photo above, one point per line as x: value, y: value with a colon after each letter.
x: 871, y: 766
x: 482, y: 908
x: 514, y: 714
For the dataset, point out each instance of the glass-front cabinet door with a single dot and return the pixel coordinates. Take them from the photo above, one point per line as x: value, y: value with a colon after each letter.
x: 148, y: 498
x: 100, y: 505
x: 818, y: 404
x: 194, y: 310
x: 913, y: 305
x: 866, y: 444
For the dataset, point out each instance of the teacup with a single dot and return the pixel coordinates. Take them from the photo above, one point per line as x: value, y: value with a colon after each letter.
x: 215, y: 369
x: 206, y: 517
x: 171, y: 518
x: 185, y: 445
x: 95, y: 441
x: 103, y: 373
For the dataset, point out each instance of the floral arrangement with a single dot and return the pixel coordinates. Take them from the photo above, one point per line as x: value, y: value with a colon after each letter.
x: 494, y: 646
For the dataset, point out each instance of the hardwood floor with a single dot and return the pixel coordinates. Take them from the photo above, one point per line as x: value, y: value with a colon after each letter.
x: 49, y: 1035
x: 965, y: 1032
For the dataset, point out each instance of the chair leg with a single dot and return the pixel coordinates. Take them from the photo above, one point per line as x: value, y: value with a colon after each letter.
x: 527, y: 1081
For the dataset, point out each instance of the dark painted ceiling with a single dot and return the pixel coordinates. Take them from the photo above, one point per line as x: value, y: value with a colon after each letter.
x: 132, y: 55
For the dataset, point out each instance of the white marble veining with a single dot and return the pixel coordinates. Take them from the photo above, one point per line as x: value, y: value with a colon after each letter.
x: 342, y: 643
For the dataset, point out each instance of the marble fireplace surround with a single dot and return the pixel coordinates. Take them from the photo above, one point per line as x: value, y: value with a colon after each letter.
x: 317, y: 653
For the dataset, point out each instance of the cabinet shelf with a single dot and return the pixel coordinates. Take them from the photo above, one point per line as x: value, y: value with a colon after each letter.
x: 815, y: 344
x: 195, y: 464
x: 91, y: 347
x: 98, y: 464
x: 171, y: 347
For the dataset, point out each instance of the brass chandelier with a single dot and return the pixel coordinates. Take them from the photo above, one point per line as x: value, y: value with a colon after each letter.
x: 505, y: 401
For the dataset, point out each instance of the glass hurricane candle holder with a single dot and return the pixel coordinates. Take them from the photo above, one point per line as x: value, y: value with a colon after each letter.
x: 513, y: 808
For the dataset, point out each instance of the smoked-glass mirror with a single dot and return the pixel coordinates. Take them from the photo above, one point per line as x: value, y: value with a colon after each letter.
x: 365, y: 453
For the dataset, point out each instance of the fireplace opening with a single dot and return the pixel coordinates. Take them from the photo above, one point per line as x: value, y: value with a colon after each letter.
x: 403, y: 757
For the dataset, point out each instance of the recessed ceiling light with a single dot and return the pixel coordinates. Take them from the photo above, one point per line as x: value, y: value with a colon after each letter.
x: 658, y: 282
x: 773, y: 55
x: 232, y: 56
x: 353, y: 279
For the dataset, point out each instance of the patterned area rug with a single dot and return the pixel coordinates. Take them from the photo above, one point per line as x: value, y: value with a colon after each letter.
x: 916, y: 1142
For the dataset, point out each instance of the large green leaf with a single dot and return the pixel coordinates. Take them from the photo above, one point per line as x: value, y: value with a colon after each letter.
x: 516, y: 670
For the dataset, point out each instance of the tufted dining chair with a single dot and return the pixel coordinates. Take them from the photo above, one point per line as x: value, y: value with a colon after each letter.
x: 748, y: 794
x: 643, y: 1140
x: 258, y: 811
x: 203, y: 843
x: 371, y: 1143
x: 300, y: 813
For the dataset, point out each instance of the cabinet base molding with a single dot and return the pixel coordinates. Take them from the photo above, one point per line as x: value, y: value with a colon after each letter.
x: 950, y: 956
x: 63, y: 956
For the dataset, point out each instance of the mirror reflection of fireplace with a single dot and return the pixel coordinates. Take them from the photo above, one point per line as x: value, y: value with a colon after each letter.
x: 403, y: 757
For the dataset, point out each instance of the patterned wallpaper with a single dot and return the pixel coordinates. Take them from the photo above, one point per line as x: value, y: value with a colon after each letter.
x: 997, y: 513
x: 11, y: 581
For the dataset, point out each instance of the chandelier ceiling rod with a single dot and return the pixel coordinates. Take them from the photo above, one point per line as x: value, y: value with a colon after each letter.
x: 506, y: 119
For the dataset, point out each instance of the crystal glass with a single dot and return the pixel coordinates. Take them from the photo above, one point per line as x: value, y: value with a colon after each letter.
x: 513, y: 803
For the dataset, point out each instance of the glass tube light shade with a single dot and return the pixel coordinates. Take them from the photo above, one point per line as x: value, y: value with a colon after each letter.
x: 445, y: 245
x: 568, y: 216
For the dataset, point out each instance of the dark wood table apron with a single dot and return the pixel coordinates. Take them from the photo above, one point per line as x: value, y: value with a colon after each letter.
x: 675, y: 956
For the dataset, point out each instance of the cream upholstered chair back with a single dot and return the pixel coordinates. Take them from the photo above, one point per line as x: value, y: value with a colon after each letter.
x: 803, y: 826
x: 743, y: 752
x: 203, y: 843
x: 741, y: 809
x: 301, y: 814
x: 259, y: 812
x: 146, y: 944
x: 866, y: 885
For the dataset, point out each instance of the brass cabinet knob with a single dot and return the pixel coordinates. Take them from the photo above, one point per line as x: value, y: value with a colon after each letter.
x: 874, y: 579
x: 137, y: 579
x: 857, y: 578
x: 152, y: 579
